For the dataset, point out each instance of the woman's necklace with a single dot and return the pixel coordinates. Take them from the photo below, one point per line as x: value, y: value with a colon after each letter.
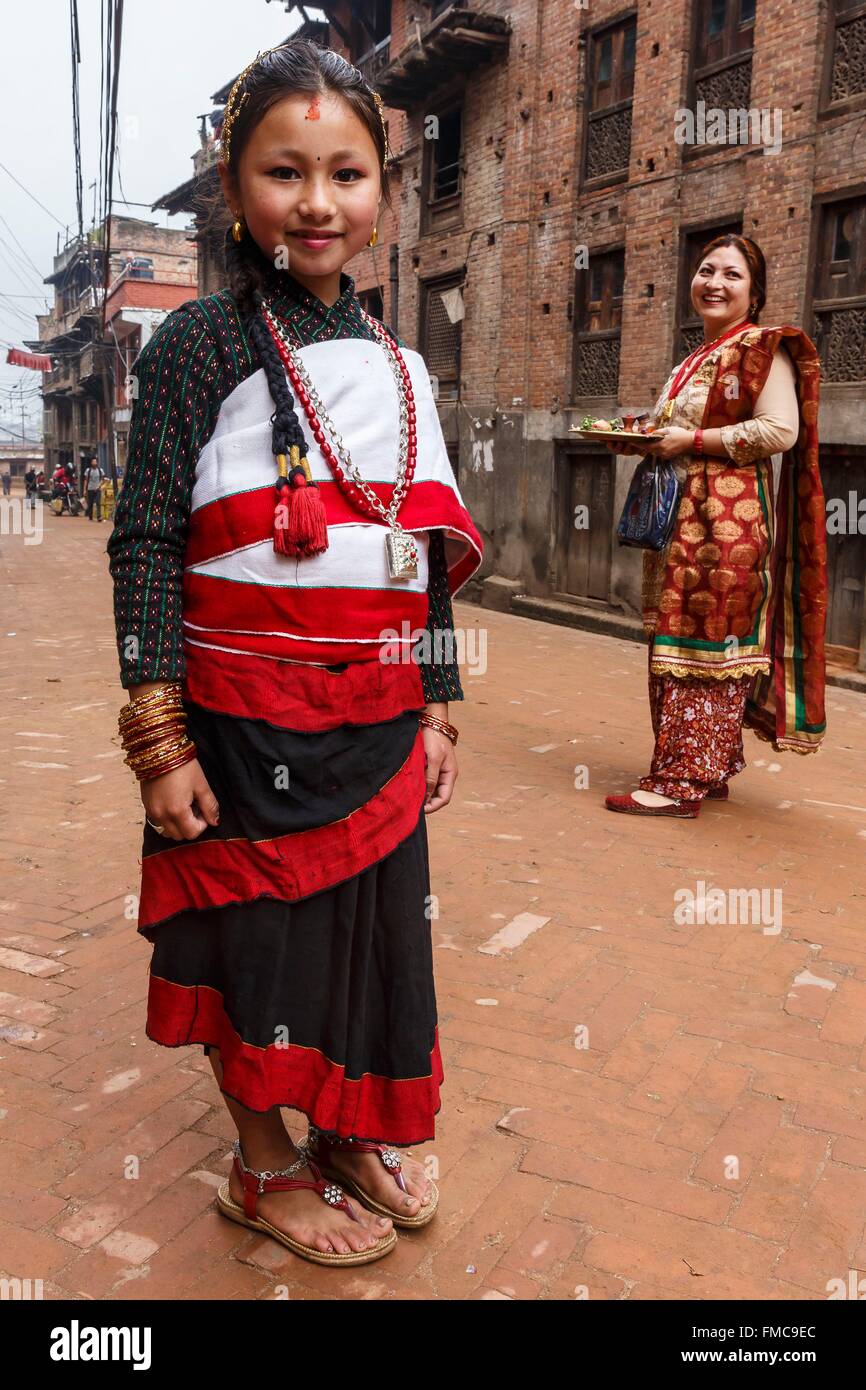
x: 400, y: 545
x: 688, y: 368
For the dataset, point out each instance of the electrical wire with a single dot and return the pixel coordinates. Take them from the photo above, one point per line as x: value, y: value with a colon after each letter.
x: 33, y: 196
x: 75, y: 48
x: 38, y: 273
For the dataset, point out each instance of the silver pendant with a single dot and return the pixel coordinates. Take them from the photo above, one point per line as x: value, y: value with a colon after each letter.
x: 402, y: 554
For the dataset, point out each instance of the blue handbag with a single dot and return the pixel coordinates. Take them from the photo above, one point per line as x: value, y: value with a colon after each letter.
x: 651, y: 507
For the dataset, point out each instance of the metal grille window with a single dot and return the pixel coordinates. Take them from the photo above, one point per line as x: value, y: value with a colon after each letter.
x: 441, y: 338
x: 839, y: 302
x: 690, y: 326
x: 609, y: 100
x: 722, y: 48
x: 597, y: 339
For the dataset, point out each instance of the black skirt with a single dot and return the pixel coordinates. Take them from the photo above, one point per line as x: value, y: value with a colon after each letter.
x: 318, y: 998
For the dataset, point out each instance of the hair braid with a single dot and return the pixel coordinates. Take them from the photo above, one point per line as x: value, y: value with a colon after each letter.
x: 246, y: 281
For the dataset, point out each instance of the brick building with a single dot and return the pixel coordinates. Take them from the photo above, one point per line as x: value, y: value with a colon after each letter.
x: 550, y: 201
x: 151, y: 271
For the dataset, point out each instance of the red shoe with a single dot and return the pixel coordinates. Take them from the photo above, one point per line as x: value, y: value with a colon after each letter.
x: 685, y: 810
x: 718, y: 793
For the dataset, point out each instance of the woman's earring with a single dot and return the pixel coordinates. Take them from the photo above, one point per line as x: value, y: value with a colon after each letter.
x: 374, y: 238
x: 238, y: 229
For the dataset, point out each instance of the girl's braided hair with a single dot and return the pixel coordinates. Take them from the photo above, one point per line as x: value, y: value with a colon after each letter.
x: 295, y: 67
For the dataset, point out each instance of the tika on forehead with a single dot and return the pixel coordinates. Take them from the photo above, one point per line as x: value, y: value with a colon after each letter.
x: 313, y: 112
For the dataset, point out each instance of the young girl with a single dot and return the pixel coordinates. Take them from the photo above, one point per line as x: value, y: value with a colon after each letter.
x: 288, y: 524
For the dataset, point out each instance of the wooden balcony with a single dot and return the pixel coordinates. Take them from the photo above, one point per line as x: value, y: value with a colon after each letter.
x: 458, y: 41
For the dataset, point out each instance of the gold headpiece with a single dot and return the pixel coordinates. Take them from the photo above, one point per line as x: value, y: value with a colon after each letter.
x: 381, y: 110
x: 234, y: 105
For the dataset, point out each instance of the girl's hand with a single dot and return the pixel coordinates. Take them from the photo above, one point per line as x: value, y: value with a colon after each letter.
x: 441, y: 769
x: 181, y: 802
x: 676, y: 441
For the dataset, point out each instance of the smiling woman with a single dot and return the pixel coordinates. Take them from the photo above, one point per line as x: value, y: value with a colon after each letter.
x: 734, y: 607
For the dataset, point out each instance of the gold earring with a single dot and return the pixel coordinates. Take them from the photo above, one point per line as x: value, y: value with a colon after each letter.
x: 374, y: 238
x: 238, y: 229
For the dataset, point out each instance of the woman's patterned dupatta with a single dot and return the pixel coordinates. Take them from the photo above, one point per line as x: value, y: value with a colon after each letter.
x: 745, y: 584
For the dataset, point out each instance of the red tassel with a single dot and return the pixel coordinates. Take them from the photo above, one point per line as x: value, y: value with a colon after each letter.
x: 281, y: 520
x: 308, y: 526
x: 300, y: 524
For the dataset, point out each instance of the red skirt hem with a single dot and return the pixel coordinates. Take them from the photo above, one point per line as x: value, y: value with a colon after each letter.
x: 379, y: 1108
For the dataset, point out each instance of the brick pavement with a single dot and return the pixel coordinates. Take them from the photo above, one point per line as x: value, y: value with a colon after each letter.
x: 635, y: 1106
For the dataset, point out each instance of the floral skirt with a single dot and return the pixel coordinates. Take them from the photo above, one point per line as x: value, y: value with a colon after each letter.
x: 698, y: 727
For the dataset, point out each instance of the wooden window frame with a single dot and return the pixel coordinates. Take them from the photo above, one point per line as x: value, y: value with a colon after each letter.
x: 592, y: 37
x: 582, y: 301
x: 821, y: 202
x: 827, y: 108
x: 698, y: 71
x: 438, y: 214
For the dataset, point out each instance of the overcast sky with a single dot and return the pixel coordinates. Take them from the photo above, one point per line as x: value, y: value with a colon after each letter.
x: 175, y: 54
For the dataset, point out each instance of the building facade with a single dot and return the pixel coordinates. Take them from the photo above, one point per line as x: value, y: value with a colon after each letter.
x: 559, y: 164
x: 560, y: 170
x: 94, y: 332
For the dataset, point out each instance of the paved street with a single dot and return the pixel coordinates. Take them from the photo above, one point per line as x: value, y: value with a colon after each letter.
x: 638, y: 1104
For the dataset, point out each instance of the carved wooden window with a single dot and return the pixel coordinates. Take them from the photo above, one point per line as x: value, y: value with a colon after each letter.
x: 839, y: 297
x: 845, y: 64
x: 610, y: 86
x: 722, y: 72
x: 441, y: 340
x: 599, y: 321
x: 690, y: 325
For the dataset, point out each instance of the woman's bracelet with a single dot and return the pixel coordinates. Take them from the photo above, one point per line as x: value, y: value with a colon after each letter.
x: 440, y: 725
x: 153, y: 734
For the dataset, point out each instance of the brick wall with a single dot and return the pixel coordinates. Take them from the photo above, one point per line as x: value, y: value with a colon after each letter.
x: 525, y: 210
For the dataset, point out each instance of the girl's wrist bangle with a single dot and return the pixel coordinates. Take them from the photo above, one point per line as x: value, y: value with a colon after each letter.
x: 440, y: 725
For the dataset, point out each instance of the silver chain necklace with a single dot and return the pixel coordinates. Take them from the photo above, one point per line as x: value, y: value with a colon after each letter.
x: 401, y: 548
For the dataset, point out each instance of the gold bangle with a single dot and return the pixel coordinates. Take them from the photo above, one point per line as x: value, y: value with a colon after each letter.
x: 149, y: 774
x: 441, y: 726
x: 144, y: 756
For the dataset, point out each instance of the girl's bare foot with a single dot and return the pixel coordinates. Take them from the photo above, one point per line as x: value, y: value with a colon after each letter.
x: 370, y: 1172
x: 302, y: 1214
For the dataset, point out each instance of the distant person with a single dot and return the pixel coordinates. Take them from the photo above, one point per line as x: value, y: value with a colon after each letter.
x: 7, y: 483
x: 93, y: 485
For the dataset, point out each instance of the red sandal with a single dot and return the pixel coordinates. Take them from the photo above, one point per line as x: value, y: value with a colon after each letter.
x: 321, y: 1144
x: 255, y: 1183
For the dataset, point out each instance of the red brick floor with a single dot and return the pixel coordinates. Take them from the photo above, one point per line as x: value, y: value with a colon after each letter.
x: 634, y: 1107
